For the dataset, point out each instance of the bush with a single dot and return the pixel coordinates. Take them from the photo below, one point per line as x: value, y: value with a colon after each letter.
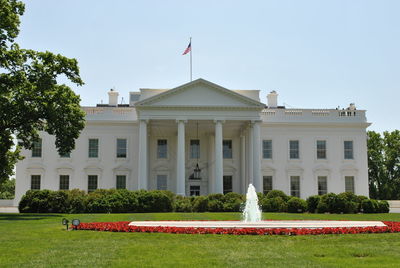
x: 277, y: 193
x: 369, y: 206
x: 154, y: 201
x: 312, y: 203
x: 383, y: 206
x: 183, y: 204
x: 296, y: 205
x: 200, y: 204
x: 35, y: 201
x: 275, y: 204
x: 233, y: 202
x: 76, y: 201
x: 58, y: 202
x: 7, y: 189
x: 215, y: 205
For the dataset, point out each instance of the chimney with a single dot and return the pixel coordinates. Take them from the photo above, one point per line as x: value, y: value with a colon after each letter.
x: 113, y: 97
x: 272, y: 99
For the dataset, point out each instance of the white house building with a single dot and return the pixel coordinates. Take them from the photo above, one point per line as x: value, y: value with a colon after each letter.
x: 201, y: 138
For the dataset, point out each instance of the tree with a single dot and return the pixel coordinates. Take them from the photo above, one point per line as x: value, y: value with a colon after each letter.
x: 7, y: 189
x: 31, y: 100
x: 384, y: 164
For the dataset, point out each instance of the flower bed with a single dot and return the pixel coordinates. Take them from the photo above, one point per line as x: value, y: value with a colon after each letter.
x: 123, y: 226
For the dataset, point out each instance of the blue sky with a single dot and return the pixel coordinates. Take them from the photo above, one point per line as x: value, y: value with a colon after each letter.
x: 316, y: 54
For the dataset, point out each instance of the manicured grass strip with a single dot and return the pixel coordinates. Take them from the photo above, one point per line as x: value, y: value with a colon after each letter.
x: 123, y: 226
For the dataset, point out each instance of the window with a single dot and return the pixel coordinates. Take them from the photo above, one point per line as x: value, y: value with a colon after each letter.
x: 321, y: 149
x: 295, y: 186
x: 37, y: 148
x: 194, y: 190
x: 227, y: 184
x: 121, y: 148
x: 93, y: 148
x: 121, y: 182
x: 66, y: 155
x: 162, y: 148
x: 349, y: 184
x: 92, y: 183
x: 227, y: 149
x: 35, y: 182
x: 161, y: 182
x: 348, y: 149
x: 267, y: 149
x: 64, y: 182
x: 267, y: 184
x: 194, y: 149
x: 322, y: 185
x: 294, y: 149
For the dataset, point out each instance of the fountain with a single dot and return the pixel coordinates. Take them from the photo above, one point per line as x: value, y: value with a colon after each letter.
x: 252, y: 211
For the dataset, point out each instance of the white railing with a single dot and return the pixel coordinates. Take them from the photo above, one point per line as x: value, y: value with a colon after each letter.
x: 109, y: 113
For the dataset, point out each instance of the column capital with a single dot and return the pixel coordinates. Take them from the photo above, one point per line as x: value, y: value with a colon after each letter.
x: 222, y: 121
x: 181, y: 120
x: 256, y: 121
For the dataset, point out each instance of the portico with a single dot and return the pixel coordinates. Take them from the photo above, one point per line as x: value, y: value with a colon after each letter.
x: 229, y: 124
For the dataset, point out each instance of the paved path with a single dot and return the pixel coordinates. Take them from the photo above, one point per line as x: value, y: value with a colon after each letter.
x: 262, y: 224
x: 9, y: 210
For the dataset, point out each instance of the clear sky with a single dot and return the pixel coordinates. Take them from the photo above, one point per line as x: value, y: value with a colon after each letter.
x: 316, y: 54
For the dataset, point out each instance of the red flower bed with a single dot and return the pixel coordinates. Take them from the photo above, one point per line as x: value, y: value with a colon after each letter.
x: 122, y: 226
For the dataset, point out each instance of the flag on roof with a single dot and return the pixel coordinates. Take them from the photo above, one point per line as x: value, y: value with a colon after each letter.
x: 188, y: 49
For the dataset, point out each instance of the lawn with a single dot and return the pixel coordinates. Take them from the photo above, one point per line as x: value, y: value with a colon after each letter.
x: 39, y: 240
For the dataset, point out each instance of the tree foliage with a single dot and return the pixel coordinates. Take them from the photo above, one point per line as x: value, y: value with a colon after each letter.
x: 384, y: 164
x: 31, y: 100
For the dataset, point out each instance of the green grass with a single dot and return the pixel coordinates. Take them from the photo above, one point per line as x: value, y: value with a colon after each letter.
x: 39, y: 240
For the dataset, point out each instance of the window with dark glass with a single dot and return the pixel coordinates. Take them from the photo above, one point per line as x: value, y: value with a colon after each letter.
x: 295, y: 186
x: 227, y: 149
x: 194, y: 149
x: 294, y: 149
x: 348, y: 150
x: 349, y: 184
x: 162, y: 148
x: 322, y: 185
x: 267, y: 149
x: 121, y: 148
x: 121, y: 182
x: 267, y: 184
x: 227, y: 184
x: 35, y: 182
x: 64, y: 182
x: 194, y: 190
x: 37, y: 148
x: 321, y: 149
x: 93, y: 148
x: 162, y: 182
x: 92, y: 183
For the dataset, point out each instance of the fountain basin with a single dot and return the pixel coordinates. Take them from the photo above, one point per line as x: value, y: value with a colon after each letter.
x: 308, y: 224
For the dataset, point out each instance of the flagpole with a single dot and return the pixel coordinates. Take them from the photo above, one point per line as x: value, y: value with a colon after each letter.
x: 191, y: 48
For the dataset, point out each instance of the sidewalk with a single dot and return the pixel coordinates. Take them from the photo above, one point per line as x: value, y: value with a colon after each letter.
x: 9, y: 210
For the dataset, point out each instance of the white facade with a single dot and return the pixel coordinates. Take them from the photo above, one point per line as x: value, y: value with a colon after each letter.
x: 160, y: 132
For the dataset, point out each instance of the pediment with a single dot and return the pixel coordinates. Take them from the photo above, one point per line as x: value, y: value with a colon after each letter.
x: 200, y: 93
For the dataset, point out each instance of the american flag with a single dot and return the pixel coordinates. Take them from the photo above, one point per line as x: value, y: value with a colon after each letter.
x: 188, y: 49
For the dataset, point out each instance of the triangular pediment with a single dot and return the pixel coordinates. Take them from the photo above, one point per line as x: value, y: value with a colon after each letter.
x: 200, y: 93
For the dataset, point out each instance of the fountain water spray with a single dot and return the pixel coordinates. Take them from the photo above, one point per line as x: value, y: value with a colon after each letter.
x: 252, y: 211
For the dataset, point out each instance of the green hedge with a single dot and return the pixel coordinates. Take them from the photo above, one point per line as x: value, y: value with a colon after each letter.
x: 124, y: 201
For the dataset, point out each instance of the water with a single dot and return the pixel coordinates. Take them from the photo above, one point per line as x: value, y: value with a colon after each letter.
x: 252, y: 211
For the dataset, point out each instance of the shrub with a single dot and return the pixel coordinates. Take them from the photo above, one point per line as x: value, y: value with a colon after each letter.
x: 35, y: 201
x: 233, y: 202
x: 277, y: 193
x: 183, y: 204
x: 383, y: 206
x: 296, y: 205
x: 58, y: 202
x: 369, y: 206
x: 312, y: 203
x: 200, y: 204
x: 76, y: 201
x: 334, y: 204
x: 215, y: 205
x: 275, y: 204
x: 154, y: 201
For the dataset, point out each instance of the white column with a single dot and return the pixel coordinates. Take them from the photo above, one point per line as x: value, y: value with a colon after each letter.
x: 180, y: 159
x: 142, y: 173
x: 219, y: 169
x: 211, y: 164
x: 243, y: 162
x: 251, y: 155
x: 257, y: 181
